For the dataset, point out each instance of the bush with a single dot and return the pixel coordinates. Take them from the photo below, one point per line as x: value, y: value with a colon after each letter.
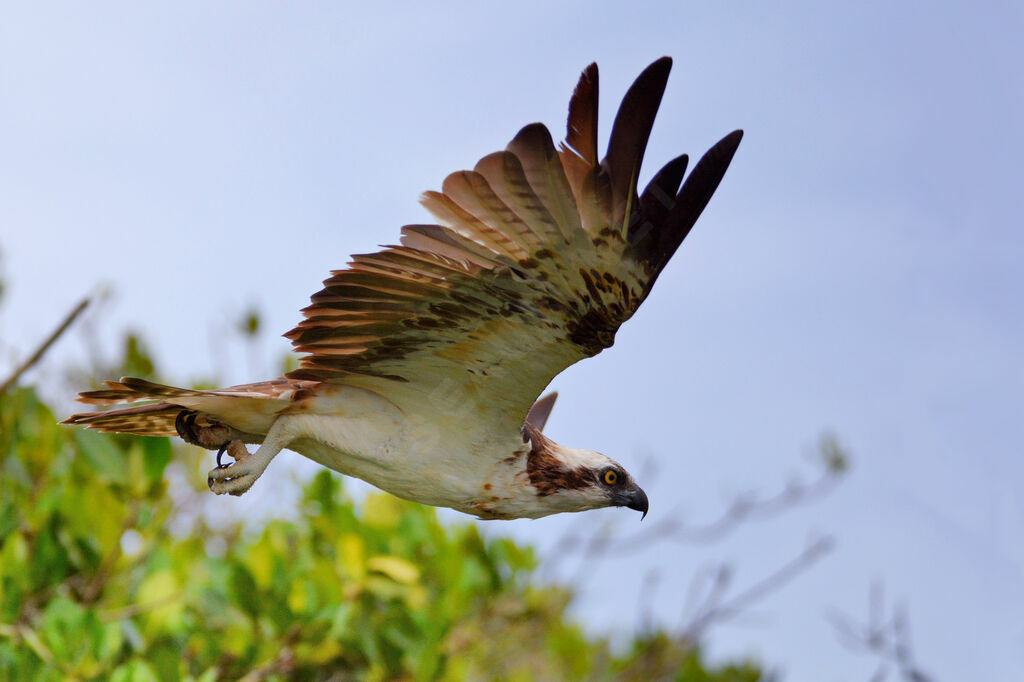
x: 94, y: 585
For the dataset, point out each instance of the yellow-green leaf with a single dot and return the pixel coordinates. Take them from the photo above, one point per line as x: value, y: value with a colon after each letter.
x: 396, y: 568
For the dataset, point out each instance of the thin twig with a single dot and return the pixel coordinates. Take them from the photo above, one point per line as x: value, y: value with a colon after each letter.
x: 35, y: 357
x: 717, y: 607
x: 742, y: 508
x: 886, y: 638
x: 746, y: 507
x: 132, y: 610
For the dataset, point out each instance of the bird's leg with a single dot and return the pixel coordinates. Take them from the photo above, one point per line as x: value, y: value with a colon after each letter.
x: 238, y: 477
x: 209, y: 433
x: 185, y: 425
x: 236, y: 450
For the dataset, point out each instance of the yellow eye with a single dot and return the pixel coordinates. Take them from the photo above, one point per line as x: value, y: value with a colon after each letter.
x: 610, y: 477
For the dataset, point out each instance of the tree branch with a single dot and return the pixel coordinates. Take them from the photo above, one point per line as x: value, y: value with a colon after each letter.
x: 888, y: 638
x: 716, y: 607
x: 833, y: 461
x: 35, y: 357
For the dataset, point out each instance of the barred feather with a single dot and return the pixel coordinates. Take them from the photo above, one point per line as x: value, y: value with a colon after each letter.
x: 539, y: 256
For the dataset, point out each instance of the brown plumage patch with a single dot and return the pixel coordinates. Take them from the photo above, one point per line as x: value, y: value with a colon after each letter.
x: 547, y: 473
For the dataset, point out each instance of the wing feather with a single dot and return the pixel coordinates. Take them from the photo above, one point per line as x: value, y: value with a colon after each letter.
x: 659, y: 197
x: 630, y: 133
x: 447, y: 243
x: 539, y: 257
x: 581, y: 128
x: 452, y: 215
x: 504, y: 174
x: 543, y: 169
x: 472, y: 192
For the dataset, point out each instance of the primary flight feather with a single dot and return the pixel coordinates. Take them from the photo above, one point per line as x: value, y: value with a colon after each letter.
x: 424, y: 360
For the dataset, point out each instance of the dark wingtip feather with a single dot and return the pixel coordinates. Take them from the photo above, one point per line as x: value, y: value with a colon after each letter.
x: 632, y: 129
x: 695, y: 195
x: 704, y: 180
x: 658, y: 198
x: 581, y: 129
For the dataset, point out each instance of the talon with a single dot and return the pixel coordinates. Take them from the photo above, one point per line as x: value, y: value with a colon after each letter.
x: 179, y: 423
x: 230, y: 481
x: 184, y: 424
x: 190, y: 424
x: 237, y: 477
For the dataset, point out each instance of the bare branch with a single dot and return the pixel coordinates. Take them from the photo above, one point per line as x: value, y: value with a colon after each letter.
x: 717, y: 607
x: 35, y: 357
x: 887, y: 638
x: 743, y: 508
x: 589, y: 545
x: 644, y: 604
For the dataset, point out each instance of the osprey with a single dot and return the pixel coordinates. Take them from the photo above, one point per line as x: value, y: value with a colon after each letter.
x: 423, y: 360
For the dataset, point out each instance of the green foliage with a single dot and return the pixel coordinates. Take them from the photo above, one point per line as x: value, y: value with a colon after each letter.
x: 137, y: 360
x: 94, y: 585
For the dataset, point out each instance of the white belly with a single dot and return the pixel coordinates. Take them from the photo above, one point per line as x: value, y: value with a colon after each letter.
x: 358, y: 433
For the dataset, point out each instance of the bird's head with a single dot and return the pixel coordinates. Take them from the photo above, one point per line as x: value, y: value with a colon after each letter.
x: 572, y: 479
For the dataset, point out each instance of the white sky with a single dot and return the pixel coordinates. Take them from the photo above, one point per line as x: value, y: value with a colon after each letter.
x: 859, y: 269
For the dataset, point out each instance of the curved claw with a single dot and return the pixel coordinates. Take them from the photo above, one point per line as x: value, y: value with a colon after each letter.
x: 185, y: 425
x: 220, y: 453
x: 179, y: 423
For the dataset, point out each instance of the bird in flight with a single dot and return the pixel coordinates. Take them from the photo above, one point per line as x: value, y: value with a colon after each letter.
x: 423, y: 361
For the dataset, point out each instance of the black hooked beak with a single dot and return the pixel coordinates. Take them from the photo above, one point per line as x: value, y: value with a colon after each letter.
x: 637, y: 499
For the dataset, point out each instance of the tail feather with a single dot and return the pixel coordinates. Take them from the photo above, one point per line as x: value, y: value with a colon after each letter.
x: 155, y: 419
x: 130, y: 390
x: 153, y: 407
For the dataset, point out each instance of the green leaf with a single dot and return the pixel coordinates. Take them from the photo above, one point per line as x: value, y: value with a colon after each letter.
x: 396, y: 568
x: 134, y: 671
x: 243, y: 589
x: 158, y: 454
x: 102, y: 455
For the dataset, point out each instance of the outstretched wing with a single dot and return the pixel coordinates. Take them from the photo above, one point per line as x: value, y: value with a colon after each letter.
x: 538, y: 258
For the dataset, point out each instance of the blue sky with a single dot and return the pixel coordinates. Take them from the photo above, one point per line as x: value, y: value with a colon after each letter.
x: 858, y: 270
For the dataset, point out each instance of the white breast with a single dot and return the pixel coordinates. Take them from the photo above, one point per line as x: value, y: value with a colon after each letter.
x: 358, y: 433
